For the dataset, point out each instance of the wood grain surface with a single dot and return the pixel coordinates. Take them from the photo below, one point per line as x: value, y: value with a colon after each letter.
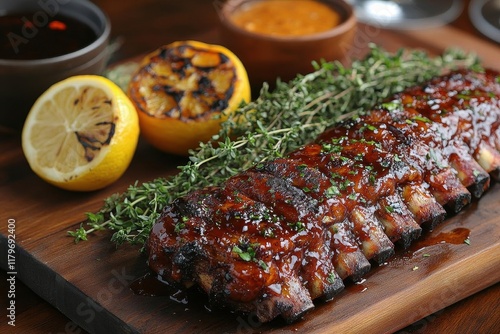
x: 90, y: 282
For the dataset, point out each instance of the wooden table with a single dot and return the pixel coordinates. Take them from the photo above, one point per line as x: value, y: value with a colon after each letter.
x: 142, y: 26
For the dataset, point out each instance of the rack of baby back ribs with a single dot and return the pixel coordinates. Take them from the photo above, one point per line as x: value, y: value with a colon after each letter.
x: 275, y: 237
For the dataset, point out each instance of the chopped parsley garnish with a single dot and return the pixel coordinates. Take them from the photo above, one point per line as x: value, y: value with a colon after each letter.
x: 246, y: 251
x: 332, y: 278
x: 297, y: 226
x: 392, y: 106
x: 421, y: 119
x: 333, y: 191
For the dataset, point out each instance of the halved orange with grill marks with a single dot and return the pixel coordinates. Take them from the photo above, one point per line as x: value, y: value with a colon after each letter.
x: 184, y: 90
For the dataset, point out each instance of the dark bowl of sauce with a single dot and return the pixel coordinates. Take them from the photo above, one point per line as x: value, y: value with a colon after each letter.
x: 43, y: 42
x: 281, y: 38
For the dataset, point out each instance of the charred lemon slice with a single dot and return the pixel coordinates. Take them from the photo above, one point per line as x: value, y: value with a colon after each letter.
x: 81, y: 134
x: 184, y: 90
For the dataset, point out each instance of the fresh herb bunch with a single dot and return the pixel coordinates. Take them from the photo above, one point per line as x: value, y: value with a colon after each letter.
x: 275, y: 123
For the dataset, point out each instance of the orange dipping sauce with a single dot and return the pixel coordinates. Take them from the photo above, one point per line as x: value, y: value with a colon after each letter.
x: 285, y: 18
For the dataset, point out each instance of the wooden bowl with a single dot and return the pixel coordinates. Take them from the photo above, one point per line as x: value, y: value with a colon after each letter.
x: 268, y: 57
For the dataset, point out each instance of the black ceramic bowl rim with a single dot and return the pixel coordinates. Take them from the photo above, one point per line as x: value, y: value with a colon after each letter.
x: 95, y: 45
x: 346, y: 24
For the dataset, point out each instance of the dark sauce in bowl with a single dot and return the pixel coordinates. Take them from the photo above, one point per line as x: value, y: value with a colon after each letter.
x: 27, y: 36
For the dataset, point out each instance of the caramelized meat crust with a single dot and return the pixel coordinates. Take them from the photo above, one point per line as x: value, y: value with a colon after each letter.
x: 275, y: 237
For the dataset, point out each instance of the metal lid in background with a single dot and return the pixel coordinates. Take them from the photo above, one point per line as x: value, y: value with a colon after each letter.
x: 407, y: 14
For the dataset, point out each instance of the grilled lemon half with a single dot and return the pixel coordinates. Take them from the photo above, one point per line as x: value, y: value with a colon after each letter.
x: 81, y: 133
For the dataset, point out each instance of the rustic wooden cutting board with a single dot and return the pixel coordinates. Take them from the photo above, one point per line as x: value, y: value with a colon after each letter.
x: 90, y: 282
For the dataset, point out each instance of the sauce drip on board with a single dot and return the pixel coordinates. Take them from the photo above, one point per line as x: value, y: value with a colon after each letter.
x: 456, y: 236
x: 151, y: 285
x: 281, y: 18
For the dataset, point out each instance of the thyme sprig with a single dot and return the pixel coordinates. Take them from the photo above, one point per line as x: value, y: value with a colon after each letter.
x: 275, y: 123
